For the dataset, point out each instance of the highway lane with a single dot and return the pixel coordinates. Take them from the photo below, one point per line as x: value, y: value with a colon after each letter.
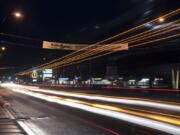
x: 51, y: 119
x: 157, y: 94
x: 46, y: 118
x: 136, y: 106
x: 108, y: 127
x: 121, y: 100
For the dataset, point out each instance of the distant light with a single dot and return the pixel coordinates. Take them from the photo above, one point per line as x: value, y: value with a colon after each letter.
x: 9, y: 78
x: 144, y: 80
x: 161, y: 19
x: 34, y: 71
x: 18, y: 15
x: 34, y: 80
x: 44, y: 59
x: 96, y: 27
x: 149, y: 25
x: 132, y: 80
x: 3, y: 48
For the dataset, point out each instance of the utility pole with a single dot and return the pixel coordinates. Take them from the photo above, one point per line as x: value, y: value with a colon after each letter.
x: 175, y: 79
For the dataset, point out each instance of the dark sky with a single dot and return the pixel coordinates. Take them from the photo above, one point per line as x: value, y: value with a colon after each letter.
x: 65, y: 20
x: 70, y: 21
x: 59, y: 19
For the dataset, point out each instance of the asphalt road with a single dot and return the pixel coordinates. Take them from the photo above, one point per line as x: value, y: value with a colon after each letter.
x: 48, y: 118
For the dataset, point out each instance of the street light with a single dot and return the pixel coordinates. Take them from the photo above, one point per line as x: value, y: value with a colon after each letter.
x: 17, y: 14
x: 161, y: 19
x: 3, y: 48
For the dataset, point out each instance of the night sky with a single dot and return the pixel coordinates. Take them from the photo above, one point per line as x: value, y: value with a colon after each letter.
x: 73, y: 21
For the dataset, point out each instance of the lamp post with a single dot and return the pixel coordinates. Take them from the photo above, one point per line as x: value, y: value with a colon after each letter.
x: 16, y: 14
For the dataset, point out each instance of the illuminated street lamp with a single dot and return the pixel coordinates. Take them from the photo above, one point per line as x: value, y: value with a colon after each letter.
x: 161, y: 19
x: 17, y: 14
x: 3, y: 48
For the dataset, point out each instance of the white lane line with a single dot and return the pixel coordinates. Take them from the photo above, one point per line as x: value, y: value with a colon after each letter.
x: 21, y: 124
x: 25, y: 127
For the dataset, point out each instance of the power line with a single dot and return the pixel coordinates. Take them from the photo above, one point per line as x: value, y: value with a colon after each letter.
x: 18, y: 44
x: 20, y: 37
x: 67, y: 60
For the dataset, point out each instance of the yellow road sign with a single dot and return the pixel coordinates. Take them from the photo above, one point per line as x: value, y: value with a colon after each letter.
x: 34, y: 75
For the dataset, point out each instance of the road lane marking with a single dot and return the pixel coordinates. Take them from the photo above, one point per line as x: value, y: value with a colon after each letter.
x: 25, y: 127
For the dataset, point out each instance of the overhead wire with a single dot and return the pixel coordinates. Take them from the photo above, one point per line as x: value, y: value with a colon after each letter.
x: 104, y: 47
x: 173, y: 36
x: 122, y: 33
x: 108, y: 47
x: 101, y: 49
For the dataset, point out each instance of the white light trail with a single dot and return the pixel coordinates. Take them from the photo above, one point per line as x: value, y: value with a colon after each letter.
x: 139, y: 102
x: 121, y: 116
x: 161, y: 126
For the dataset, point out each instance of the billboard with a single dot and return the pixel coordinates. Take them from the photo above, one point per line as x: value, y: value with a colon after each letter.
x: 47, y: 74
x: 62, y: 46
x: 75, y: 47
x: 47, y: 71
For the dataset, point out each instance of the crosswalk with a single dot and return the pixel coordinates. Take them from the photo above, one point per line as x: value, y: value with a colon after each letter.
x: 9, y: 126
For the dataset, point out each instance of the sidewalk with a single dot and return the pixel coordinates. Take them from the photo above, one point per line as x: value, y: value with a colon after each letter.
x: 9, y: 126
